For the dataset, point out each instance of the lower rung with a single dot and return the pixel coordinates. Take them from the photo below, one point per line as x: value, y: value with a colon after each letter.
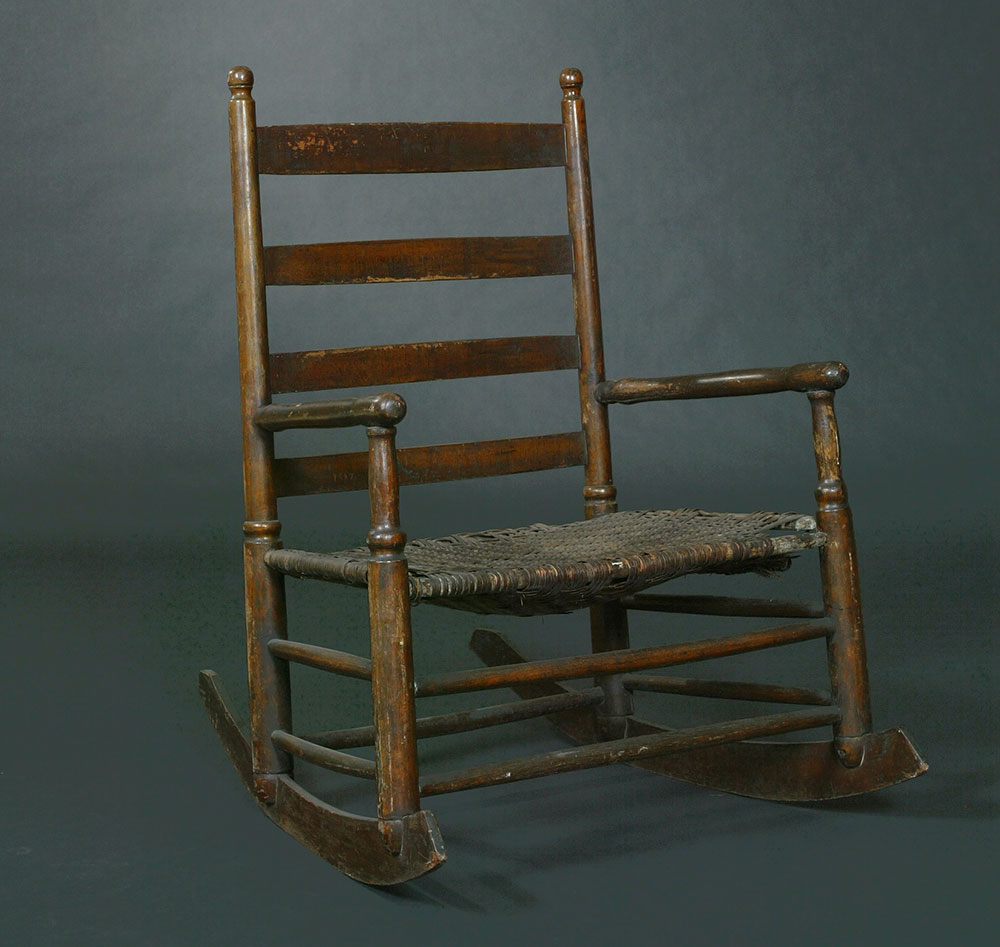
x: 465, y: 720
x: 726, y: 690
x: 630, y: 748
x: 323, y: 756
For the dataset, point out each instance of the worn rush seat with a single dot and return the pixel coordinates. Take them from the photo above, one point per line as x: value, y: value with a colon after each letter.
x: 604, y: 562
x: 540, y: 569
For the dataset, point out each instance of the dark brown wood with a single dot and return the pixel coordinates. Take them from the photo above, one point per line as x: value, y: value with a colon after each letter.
x: 407, y: 147
x: 608, y: 623
x: 811, y: 376
x: 323, y: 659
x: 628, y: 749
x: 599, y: 491
x: 344, y: 412
x: 723, y: 605
x: 791, y: 772
x: 785, y: 772
x: 332, y: 473
x: 727, y: 690
x: 323, y: 756
x: 420, y: 259
x: 393, y: 711
x: 264, y: 595
x: 463, y: 721
x: 841, y: 588
x: 609, y: 632
x: 617, y: 662
x: 421, y: 361
x: 352, y: 843
x: 403, y: 842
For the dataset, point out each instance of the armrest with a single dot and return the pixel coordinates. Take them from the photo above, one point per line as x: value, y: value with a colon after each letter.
x: 385, y: 410
x: 810, y: 376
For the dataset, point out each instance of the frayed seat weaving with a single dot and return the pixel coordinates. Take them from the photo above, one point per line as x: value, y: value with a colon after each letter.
x: 547, y: 569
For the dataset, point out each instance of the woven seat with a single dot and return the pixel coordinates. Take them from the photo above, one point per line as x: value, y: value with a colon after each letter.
x: 542, y: 569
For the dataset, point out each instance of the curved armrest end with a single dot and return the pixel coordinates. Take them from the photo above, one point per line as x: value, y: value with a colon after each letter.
x: 382, y: 410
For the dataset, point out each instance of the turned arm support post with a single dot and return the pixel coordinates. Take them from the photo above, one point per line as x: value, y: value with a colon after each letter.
x: 388, y: 594
x: 838, y: 558
x: 841, y: 588
x: 394, y: 714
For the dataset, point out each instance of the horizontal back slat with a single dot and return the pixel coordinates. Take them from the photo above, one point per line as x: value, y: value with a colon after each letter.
x: 429, y: 258
x: 404, y: 147
x: 333, y: 473
x: 421, y: 361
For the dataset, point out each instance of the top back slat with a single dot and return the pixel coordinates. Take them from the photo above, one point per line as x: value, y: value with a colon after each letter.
x: 402, y: 147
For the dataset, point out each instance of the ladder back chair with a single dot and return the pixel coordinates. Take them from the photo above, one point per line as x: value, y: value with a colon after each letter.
x: 603, y: 563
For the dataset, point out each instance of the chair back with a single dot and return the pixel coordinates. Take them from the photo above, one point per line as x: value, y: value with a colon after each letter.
x: 395, y: 148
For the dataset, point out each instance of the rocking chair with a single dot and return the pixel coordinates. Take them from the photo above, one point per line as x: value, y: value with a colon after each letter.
x: 604, y: 562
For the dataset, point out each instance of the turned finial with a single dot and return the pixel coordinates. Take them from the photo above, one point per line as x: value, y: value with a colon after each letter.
x: 240, y: 80
x: 571, y: 80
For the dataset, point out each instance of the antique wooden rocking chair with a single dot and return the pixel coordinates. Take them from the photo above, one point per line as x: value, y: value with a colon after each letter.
x: 602, y: 563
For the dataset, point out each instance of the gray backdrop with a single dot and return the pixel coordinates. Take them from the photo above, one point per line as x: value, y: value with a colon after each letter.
x: 774, y: 182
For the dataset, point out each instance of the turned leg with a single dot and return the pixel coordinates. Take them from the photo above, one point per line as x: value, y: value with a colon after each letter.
x: 841, y: 592
x: 609, y: 632
x: 267, y: 676
x: 391, y: 645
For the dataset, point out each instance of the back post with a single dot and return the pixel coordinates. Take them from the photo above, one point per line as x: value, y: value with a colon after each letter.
x: 270, y: 701
x: 608, y: 622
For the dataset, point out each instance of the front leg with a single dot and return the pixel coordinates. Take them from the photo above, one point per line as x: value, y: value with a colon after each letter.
x: 841, y: 591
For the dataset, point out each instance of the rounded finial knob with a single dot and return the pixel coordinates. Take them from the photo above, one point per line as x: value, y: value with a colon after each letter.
x: 571, y: 81
x: 240, y: 79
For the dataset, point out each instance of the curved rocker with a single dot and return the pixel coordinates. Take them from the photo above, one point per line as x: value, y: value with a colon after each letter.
x: 780, y: 772
x: 354, y: 844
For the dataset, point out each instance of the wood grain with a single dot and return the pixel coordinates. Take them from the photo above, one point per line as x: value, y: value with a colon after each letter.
x: 333, y: 473
x: 421, y: 361
x: 612, y: 662
x: 417, y: 259
x: 627, y: 750
x: 400, y: 147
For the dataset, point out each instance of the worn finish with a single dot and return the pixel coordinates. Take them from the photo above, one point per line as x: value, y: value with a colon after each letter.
x: 543, y: 569
x: 352, y: 843
x: 781, y: 772
x: 332, y: 473
x: 270, y: 701
x: 344, y: 412
x: 417, y: 259
x: 323, y: 659
x: 611, y: 662
x: 464, y: 720
x: 324, y: 756
x: 608, y: 622
x: 421, y: 361
x: 395, y: 147
x: 628, y: 749
x: 604, y: 561
x: 811, y: 376
x: 727, y: 690
x: 841, y: 589
x: 599, y: 492
x: 389, y: 628
x: 723, y: 605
